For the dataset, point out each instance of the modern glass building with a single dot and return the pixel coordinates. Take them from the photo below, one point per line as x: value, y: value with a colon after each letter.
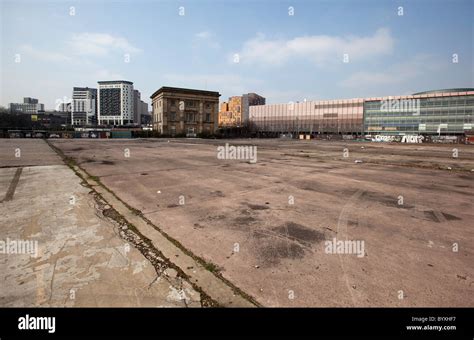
x: 343, y: 116
x: 434, y: 112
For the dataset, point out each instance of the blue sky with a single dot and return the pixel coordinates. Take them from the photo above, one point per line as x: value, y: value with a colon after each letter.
x: 280, y: 56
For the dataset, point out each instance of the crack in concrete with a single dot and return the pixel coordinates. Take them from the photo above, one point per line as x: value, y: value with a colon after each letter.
x: 54, y: 271
x: 13, y: 185
x: 142, y: 243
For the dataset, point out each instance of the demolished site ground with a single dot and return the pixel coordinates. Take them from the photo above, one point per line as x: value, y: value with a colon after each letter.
x: 259, y: 230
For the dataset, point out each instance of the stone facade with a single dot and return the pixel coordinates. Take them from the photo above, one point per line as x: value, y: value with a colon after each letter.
x: 178, y: 111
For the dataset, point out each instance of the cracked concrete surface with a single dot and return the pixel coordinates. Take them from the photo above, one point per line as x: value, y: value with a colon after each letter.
x: 281, y: 246
x: 82, y: 260
x: 409, y: 247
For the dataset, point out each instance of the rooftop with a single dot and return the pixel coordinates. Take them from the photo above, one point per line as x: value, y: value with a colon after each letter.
x: 115, y: 82
x: 467, y: 89
x: 84, y: 89
x: 185, y: 91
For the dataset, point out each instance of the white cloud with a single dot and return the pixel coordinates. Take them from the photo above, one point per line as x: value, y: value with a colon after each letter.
x: 320, y: 49
x: 206, y: 37
x: 44, y: 54
x: 81, y: 47
x: 400, y: 73
x: 99, y: 44
x: 203, y: 35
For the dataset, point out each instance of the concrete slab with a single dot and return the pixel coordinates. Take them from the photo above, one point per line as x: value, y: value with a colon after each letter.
x: 80, y: 257
x: 240, y: 216
x: 26, y: 152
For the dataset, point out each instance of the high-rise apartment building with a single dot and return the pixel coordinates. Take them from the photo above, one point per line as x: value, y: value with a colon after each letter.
x: 84, y: 106
x: 115, y: 102
x: 144, y: 112
x: 140, y: 108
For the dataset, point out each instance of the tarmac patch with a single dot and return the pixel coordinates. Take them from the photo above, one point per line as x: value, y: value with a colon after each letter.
x: 450, y: 217
x: 257, y: 206
x: 429, y: 214
x: 244, y: 220
x: 272, y: 251
x: 298, y: 232
x: 390, y: 201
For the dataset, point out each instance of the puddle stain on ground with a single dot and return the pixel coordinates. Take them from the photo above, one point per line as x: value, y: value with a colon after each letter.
x: 271, y: 253
x: 390, y: 201
x: 244, y: 220
x: 217, y: 193
x: 322, y: 188
x: 288, y: 241
x: 300, y: 233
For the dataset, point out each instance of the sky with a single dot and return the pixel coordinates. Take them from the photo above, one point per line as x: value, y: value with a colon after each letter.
x: 283, y: 50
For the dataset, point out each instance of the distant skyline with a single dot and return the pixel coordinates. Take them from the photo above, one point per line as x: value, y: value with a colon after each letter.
x: 280, y: 56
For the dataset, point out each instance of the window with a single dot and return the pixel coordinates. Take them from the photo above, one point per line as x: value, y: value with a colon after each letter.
x: 190, y: 117
x: 208, y: 117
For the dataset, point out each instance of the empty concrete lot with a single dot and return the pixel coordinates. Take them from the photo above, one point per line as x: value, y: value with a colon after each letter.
x: 264, y: 225
x: 76, y: 256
